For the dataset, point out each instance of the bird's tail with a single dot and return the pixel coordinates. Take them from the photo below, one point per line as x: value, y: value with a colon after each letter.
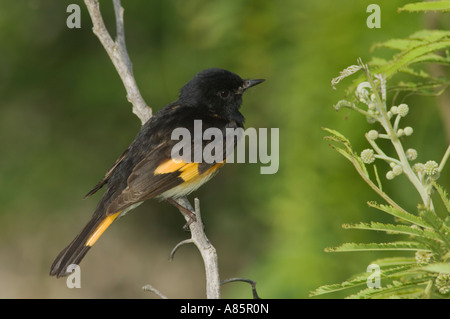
x: 77, y: 249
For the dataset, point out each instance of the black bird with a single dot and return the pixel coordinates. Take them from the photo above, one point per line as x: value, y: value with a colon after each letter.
x: 147, y: 168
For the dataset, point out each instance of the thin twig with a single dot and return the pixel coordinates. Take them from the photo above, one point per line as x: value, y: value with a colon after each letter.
x: 377, y: 178
x: 444, y: 159
x: 154, y: 290
x: 181, y: 243
x: 251, y: 282
x: 120, y: 33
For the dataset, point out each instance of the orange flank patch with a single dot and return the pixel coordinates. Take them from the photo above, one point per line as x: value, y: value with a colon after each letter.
x: 188, y: 171
x: 100, y: 229
x: 191, y: 180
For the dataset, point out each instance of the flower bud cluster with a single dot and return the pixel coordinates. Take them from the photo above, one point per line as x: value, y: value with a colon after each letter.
x: 423, y: 257
x: 396, y: 170
x: 407, y: 131
x: 401, y: 110
x: 429, y: 169
x: 443, y: 283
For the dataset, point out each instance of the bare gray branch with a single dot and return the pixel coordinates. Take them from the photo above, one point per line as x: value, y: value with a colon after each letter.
x: 117, y: 52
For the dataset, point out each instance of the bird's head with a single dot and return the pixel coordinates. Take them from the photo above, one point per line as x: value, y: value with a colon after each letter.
x: 217, y: 89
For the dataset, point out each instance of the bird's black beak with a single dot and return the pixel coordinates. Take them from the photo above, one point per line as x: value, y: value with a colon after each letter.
x: 248, y: 84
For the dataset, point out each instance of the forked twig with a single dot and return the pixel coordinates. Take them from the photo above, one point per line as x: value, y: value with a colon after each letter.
x: 118, y: 54
x: 199, y: 239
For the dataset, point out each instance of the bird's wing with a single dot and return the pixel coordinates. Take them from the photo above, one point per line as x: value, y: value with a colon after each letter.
x: 160, y: 175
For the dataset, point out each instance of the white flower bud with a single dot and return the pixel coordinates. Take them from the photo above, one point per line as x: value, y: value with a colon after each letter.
x: 394, y: 110
x: 372, y: 134
x: 402, y: 110
x: 411, y: 154
x: 408, y: 130
x: 370, y: 119
x: 390, y: 175
x: 430, y: 168
x: 423, y: 257
x: 443, y: 283
x: 418, y: 168
x: 368, y: 156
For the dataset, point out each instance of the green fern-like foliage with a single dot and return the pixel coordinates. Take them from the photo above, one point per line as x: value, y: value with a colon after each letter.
x: 427, y: 274
x: 441, y: 6
x: 413, y: 53
x: 425, y: 233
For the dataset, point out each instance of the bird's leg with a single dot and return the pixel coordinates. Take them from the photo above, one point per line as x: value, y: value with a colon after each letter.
x: 186, y: 211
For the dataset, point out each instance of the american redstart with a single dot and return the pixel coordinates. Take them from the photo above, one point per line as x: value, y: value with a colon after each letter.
x: 147, y: 168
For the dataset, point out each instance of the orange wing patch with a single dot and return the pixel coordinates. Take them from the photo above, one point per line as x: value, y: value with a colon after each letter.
x: 169, y: 166
x: 188, y: 170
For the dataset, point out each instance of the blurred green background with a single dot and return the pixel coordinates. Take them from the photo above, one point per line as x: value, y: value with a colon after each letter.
x: 64, y: 119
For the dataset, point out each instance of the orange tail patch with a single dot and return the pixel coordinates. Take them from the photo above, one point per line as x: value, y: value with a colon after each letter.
x: 100, y: 229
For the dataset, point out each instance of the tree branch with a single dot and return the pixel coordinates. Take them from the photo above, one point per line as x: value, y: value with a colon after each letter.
x: 208, y: 252
x: 117, y: 51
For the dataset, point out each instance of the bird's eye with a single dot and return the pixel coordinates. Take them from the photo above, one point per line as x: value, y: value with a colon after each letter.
x: 224, y: 94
